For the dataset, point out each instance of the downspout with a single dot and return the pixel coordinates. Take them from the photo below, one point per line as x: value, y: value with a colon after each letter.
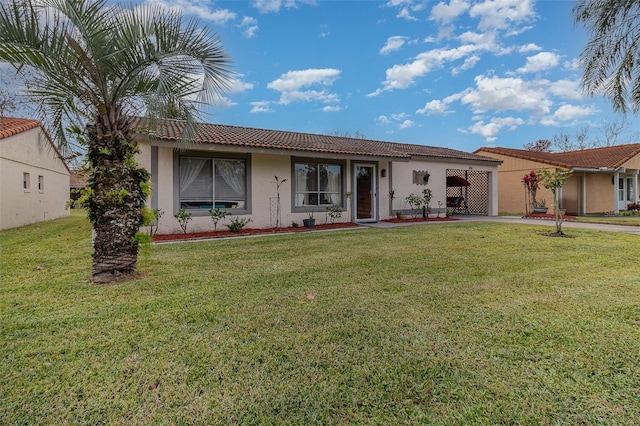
x: 616, y: 182
x: 635, y: 186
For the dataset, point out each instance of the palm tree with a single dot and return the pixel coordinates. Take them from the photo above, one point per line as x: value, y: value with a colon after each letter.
x: 610, y: 56
x: 104, y: 65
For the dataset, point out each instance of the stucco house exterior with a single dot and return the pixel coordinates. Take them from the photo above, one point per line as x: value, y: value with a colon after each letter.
x: 34, y: 179
x: 604, y: 180
x: 235, y: 168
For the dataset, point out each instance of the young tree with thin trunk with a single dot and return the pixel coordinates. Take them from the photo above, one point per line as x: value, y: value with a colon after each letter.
x: 103, y: 65
x: 555, y: 180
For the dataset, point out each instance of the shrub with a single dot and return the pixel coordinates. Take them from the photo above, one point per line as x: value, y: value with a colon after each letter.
x: 237, y: 224
x: 183, y: 217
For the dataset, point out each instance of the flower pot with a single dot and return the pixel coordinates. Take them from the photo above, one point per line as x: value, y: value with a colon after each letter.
x: 402, y: 216
x: 309, y: 223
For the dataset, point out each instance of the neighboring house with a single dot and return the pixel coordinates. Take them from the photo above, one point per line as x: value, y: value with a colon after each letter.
x: 234, y: 168
x: 34, y: 179
x: 604, y: 180
x: 78, y: 181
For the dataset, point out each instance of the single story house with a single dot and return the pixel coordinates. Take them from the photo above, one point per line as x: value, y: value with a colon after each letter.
x: 235, y: 168
x: 34, y: 179
x: 604, y: 180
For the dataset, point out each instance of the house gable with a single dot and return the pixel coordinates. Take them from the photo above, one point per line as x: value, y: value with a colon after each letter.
x: 34, y: 180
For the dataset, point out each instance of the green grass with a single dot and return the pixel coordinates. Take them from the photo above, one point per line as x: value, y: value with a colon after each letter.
x: 480, y: 323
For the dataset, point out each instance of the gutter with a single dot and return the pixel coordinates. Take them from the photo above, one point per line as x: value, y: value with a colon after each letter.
x: 607, y: 170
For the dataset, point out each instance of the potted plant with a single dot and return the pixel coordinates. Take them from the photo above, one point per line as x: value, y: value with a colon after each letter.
x: 310, y: 222
x: 540, y: 206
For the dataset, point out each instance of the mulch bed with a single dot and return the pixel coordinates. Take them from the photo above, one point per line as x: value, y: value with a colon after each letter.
x: 419, y: 219
x: 546, y: 216
x: 248, y: 231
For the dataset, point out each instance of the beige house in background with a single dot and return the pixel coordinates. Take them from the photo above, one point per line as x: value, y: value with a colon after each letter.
x: 234, y: 169
x: 604, y: 180
x: 34, y: 180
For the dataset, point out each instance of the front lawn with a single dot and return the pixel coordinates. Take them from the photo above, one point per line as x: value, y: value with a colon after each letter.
x: 448, y: 323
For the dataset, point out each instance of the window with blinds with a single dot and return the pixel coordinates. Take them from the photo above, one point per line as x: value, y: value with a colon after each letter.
x: 209, y: 183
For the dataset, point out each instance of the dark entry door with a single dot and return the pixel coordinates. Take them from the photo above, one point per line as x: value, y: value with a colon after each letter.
x: 365, y: 201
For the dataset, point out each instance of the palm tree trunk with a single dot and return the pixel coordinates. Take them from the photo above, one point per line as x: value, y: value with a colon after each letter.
x: 117, y: 199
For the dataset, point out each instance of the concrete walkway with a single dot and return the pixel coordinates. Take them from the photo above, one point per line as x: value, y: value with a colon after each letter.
x: 520, y: 221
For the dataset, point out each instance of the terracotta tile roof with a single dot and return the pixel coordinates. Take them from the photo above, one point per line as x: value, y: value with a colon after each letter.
x: 78, y: 179
x: 10, y: 126
x: 170, y: 130
x: 605, y: 157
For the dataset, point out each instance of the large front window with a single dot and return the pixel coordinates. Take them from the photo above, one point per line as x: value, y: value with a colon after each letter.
x: 207, y: 183
x: 317, y: 184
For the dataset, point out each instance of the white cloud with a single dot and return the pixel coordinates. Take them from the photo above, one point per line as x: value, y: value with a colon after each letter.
x: 541, y: 62
x: 267, y: 6
x: 403, y: 76
x: 290, y: 84
x: 332, y: 108
x: 446, y: 13
x: 572, y: 65
x: 271, y: 6
x: 294, y: 4
x: 219, y: 17
x: 222, y: 102
x: 469, y: 63
x: 407, y: 124
x: 394, y: 3
x: 399, y: 117
x: 502, y: 14
x: 294, y: 80
x: 531, y: 47
x: 573, y: 112
x: 393, y: 43
x: 435, y: 107
x: 503, y: 94
x: 490, y: 130
x: 567, y: 89
x: 249, y: 25
x: 260, y: 106
x: 405, y: 14
x: 238, y: 86
x: 406, y: 7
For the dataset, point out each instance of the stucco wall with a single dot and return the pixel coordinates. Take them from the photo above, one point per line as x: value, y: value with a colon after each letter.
x: 402, y: 183
x: 601, y: 193
x: 31, y: 152
x: 262, y: 193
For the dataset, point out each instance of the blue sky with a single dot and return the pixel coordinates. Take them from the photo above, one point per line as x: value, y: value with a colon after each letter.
x: 456, y: 73
x: 461, y: 74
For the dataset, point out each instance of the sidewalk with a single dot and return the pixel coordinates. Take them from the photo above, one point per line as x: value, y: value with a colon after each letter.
x: 551, y: 223
x: 518, y: 220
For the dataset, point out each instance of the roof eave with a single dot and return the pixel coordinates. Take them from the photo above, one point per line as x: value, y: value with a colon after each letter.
x: 247, y: 149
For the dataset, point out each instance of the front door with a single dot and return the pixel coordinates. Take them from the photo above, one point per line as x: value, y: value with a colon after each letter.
x: 625, y: 192
x: 365, y: 201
